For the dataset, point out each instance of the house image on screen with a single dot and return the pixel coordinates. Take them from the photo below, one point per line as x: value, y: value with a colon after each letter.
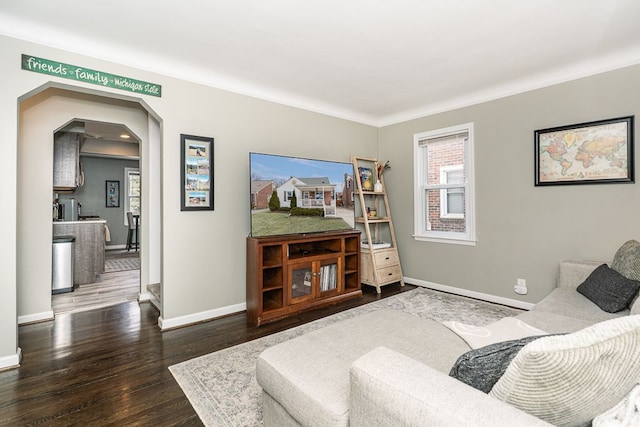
x: 261, y: 191
x: 315, y: 192
x: 345, y: 198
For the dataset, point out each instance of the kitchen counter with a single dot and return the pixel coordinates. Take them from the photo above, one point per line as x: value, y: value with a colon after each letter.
x: 83, y: 221
x: 89, y: 247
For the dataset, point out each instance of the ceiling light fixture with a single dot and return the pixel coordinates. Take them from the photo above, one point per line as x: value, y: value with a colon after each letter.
x: 125, y: 136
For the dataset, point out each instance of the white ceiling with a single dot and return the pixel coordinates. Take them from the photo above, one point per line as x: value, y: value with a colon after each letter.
x: 372, y: 61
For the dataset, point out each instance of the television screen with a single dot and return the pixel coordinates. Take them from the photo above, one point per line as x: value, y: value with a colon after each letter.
x: 293, y: 195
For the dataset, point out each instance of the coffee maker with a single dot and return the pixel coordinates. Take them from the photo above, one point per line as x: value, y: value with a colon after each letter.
x: 68, y: 210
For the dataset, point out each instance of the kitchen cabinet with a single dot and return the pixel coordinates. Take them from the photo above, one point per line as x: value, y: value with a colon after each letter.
x: 89, y: 247
x: 66, y: 162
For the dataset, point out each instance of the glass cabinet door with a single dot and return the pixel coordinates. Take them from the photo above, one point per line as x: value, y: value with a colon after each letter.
x: 301, y: 282
x: 328, y: 276
x: 307, y: 280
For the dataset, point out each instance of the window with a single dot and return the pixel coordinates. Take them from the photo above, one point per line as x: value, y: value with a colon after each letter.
x: 452, y: 199
x: 132, y: 192
x: 443, y: 198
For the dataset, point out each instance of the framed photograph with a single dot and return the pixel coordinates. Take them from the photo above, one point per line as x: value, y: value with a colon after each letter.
x: 196, y: 162
x: 112, y: 194
x: 586, y: 153
x: 366, y: 178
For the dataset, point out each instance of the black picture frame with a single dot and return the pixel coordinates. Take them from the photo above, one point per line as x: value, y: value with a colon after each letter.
x: 196, y: 173
x: 112, y: 194
x: 597, y: 152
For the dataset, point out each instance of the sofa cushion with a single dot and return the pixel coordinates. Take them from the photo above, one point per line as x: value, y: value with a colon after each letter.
x: 482, y: 367
x: 391, y: 389
x: 568, y: 302
x: 569, y: 379
x: 309, y: 375
x: 555, y: 323
x: 572, y: 273
x: 626, y: 261
x: 609, y: 290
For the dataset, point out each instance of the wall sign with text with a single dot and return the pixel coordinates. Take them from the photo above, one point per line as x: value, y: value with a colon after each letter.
x: 87, y: 75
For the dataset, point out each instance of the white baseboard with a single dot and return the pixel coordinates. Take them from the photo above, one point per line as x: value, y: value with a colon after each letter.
x: 144, y: 296
x: 471, y: 294
x: 36, y: 317
x: 178, y: 322
x: 12, y: 361
x: 155, y: 302
x: 203, y: 316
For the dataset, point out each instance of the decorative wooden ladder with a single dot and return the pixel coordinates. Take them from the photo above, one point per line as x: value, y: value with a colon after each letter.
x: 380, y: 263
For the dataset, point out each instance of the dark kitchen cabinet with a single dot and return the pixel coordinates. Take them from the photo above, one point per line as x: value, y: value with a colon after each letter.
x: 66, y: 162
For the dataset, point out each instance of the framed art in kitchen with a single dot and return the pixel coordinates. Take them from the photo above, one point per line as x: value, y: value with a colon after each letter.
x: 196, y: 162
x: 112, y: 194
x: 586, y: 153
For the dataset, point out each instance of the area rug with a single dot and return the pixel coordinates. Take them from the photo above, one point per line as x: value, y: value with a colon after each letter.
x: 112, y: 265
x: 222, y: 386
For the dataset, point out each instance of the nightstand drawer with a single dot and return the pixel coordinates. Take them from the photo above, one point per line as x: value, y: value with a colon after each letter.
x: 386, y: 258
x: 389, y: 274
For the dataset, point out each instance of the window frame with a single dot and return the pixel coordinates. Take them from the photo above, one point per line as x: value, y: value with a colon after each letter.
x: 127, y: 196
x: 444, y: 200
x: 421, y: 232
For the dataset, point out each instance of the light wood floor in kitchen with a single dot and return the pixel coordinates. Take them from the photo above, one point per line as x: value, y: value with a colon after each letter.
x: 109, y: 289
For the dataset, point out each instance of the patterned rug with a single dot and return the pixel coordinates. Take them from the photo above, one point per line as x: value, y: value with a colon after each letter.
x: 121, y: 264
x: 222, y: 386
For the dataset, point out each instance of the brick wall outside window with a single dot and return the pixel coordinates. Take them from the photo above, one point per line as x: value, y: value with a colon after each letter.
x: 445, y: 153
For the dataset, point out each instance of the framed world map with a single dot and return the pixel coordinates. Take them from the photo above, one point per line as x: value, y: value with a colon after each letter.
x: 585, y: 153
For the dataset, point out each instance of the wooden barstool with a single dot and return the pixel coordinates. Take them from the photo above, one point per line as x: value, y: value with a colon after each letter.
x: 132, y: 235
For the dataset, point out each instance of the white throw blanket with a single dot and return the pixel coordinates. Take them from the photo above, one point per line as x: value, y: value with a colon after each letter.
x: 505, y: 329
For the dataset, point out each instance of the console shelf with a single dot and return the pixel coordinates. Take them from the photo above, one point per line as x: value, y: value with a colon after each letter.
x: 290, y: 274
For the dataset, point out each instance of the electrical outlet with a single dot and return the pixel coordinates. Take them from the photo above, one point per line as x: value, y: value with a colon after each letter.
x: 521, y: 287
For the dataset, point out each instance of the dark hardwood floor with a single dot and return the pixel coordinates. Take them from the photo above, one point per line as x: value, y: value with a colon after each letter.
x: 109, y: 366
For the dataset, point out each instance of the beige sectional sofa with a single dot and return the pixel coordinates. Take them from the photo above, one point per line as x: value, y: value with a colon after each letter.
x: 390, y: 368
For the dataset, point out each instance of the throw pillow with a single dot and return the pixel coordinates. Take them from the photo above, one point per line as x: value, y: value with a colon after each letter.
x: 507, y: 328
x: 570, y: 379
x: 635, y: 307
x: 609, y: 290
x: 482, y: 368
x: 626, y: 261
x: 624, y: 414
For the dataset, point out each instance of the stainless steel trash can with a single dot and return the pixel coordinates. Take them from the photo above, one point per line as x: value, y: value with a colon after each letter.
x: 62, y: 271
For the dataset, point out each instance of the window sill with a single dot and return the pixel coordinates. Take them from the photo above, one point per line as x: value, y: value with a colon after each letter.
x: 449, y: 240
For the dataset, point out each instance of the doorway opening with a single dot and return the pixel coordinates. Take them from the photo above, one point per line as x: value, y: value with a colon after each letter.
x: 107, y: 188
x: 41, y: 113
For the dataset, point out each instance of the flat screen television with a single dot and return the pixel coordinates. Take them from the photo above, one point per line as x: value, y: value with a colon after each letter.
x: 294, y: 195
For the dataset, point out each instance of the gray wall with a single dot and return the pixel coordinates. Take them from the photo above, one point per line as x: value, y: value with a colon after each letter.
x: 92, y: 194
x: 202, y: 253
x: 522, y: 230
